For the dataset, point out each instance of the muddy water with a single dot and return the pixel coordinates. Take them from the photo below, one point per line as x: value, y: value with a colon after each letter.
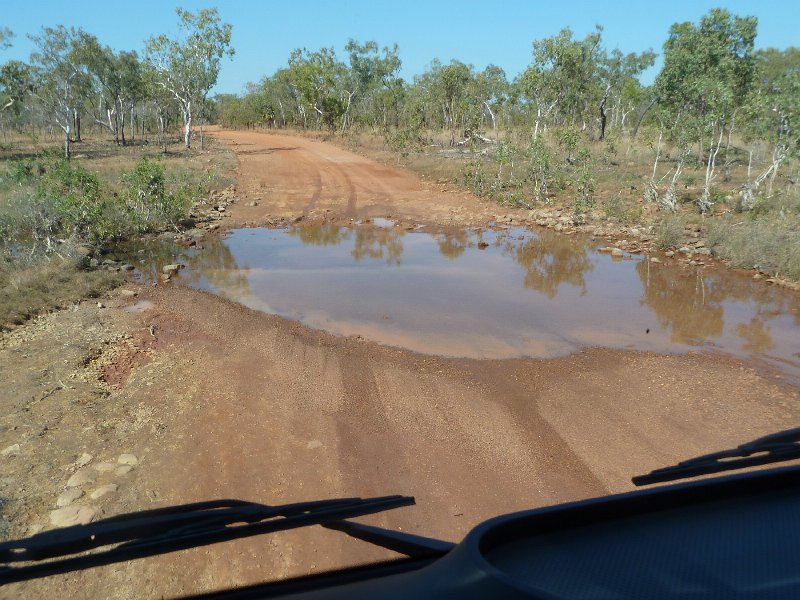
x: 492, y: 294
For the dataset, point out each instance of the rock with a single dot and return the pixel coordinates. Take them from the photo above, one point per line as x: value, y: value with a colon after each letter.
x: 669, y: 254
x: 84, y: 460
x: 72, y: 515
x: 123, y: 470
x: 605, y: 249
x: 251, y: 204
x: 11, y: 450
x: 128, y: 459
x: 104, y: 467
x: 684, y: 250
x: 482, y: 245
x: 170, y: 269
x: 655, y: 259
x: 128, y: 293
x: 703, y: 251
x: 700, y: 244
x: 100, y: 305
x: 86, y: 251
x: 108, y: 488
x: 80, y: 478
x: 127, y: 267
x: 757, y: 276
x: 67, y: 497
x: 617, y: 252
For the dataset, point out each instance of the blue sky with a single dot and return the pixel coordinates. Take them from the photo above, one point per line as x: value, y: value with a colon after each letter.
x: 476, y: 32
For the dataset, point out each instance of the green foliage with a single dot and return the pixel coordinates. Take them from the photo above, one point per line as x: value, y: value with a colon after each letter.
x: 75, y: 196
x: 568, y: 139
x: 67, y: 201
x: 150, y: 205
x: 541, y: 167
x: 475, y: 177
x: 188, y: 66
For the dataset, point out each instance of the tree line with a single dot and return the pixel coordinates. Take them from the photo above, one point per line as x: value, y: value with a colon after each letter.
x: 71, y: 78
x: 713, y: 84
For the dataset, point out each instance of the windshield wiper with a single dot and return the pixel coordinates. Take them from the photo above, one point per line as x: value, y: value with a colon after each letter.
x: 777, y: 447
x: 153, y: 532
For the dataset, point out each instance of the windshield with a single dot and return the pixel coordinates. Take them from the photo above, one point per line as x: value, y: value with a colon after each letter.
x: 492, y: 257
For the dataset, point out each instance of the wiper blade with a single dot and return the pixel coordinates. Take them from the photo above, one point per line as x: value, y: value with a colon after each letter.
x: 777, y: 447
x: 153, y: 532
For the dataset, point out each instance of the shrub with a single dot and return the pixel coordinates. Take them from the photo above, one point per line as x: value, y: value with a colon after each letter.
x: 669, y: 232
x: 625, y: 211
x: 540, y: 170
x: 74, y: 196
x: 150, y: 205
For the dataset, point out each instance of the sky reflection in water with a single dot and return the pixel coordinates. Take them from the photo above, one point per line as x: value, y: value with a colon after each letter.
x: 528, y: 293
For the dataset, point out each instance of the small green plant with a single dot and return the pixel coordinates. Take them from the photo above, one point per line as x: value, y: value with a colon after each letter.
x: 474, y: 176
x: 150, y: 204
x: 568, y: 139
x: 669, y: 232
x: 540, y: 170
x: 585, y: 184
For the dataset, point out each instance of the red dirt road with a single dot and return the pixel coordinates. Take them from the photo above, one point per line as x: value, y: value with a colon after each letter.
x: 292, y: 175
x: 256, y: 407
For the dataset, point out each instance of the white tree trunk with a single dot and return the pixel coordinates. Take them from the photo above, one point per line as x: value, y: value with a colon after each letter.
x: 187, y: 136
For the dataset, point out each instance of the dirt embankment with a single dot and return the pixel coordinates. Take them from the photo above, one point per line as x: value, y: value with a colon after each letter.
x: 215, y: 400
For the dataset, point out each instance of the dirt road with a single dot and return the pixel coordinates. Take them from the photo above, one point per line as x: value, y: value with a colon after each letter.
x: 291, y: 176
x: 216, y: 400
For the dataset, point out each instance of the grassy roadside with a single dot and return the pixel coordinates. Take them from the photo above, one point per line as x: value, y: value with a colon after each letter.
x: 56, y: 215
x: 602, y: 187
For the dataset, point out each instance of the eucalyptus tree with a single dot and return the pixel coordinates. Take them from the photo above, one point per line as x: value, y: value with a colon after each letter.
x: 708, y: 73
x: 188, y: 66
x: 315, y: 77
x: 159, y: 98
x: 774, y: 115
x: 490, y: 87
x: 562, y: 79
x: 369, y: 75
x: 618, y: 76
x: 15, y: 84
x: 116, y: 84
x: 443, y: 93
x: 58, y: 75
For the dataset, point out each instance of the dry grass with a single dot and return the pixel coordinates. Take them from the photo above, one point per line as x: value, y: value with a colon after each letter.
x: 52, y: 284
x: 214, y: 165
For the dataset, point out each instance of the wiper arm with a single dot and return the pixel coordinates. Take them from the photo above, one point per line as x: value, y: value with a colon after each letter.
x: 153, y: 532
x: 777, y: 447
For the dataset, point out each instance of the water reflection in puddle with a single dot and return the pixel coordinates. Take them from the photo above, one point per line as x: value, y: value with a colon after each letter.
x: 487, y: 294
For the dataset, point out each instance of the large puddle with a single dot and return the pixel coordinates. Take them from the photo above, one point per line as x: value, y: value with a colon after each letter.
x: 489, y: 294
